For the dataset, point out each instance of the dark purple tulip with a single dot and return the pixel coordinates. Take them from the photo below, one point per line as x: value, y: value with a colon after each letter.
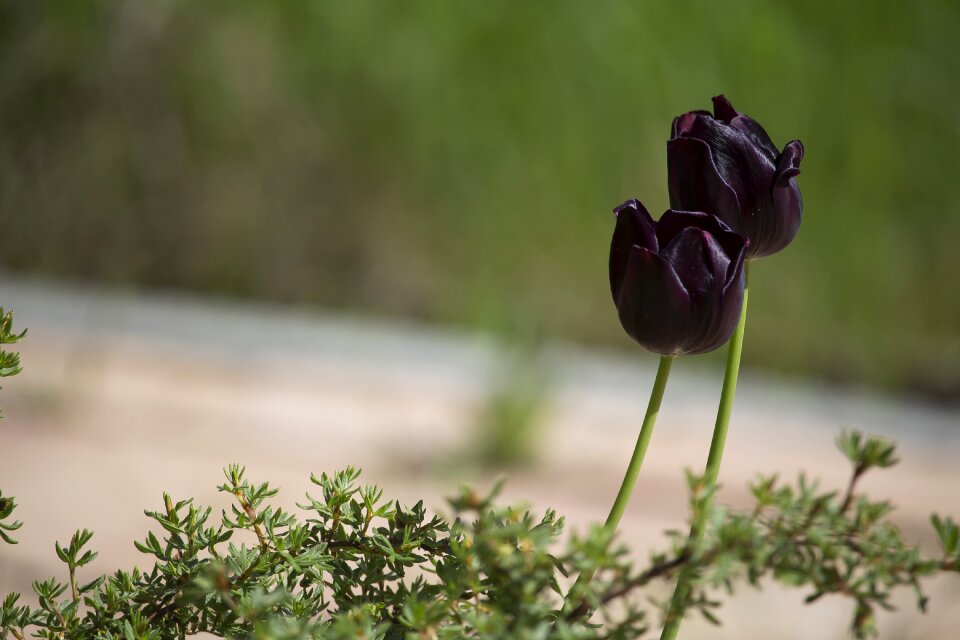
x: 725, y: 164
x: 678, y: 282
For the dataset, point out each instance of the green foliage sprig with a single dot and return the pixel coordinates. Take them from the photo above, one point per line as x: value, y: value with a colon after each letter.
x: 7, y: 506
x: 9, y: 366
x: 831, y: 543
x: 9, y: 361
x: 356, y: 565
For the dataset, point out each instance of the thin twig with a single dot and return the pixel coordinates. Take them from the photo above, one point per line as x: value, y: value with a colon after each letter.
x: 654, y: 572
x: 252, y: 516
x: 848, y: 498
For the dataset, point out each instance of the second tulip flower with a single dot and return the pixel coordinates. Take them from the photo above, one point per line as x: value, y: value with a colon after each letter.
x: 678, y: 282
x: 725, y: 164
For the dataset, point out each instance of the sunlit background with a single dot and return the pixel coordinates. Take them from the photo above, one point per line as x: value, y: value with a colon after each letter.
x: 281, y: 218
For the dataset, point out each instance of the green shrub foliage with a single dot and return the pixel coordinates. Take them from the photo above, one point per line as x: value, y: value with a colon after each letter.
x: 351, y: 564
x: 9, y: 361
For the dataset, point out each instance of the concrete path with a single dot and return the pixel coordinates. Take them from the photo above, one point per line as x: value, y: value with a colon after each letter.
x: 125, y: 396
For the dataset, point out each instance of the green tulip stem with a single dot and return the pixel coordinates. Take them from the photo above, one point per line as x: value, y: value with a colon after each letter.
x: 709, y: 482
x: 643, y: 441
x: 630, y: 477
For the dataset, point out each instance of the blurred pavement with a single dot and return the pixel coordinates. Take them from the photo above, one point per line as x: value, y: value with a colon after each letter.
x: 125, y: 396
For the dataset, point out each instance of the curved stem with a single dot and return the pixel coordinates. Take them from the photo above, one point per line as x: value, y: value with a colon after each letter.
x: 709, y: 483
x: 643, y: 441
x: 630, y: 477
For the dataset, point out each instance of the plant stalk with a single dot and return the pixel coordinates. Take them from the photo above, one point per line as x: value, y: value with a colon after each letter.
x: 710, y: 475
x: 643, y: 441
x: 630, y: 477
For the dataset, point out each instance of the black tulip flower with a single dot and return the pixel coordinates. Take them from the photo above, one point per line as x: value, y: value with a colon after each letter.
x: 725, y: 164
x: 678, y: 282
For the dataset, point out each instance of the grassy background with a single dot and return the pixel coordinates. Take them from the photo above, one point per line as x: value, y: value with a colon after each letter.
x: 457, y: 162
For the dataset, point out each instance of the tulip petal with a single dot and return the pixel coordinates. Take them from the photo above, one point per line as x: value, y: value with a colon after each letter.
x: 723, y: 109
x: 742, y: 165
x: 695, y: 183
x: 716, y: 292
x: 736, y: 247
x: 673, y: 222
x: 681, y: 124
x: 654, y: 307
x: 787, y: 202
x: 635, y: 227
x: 699, y: 260
x: 788, y: 164
x: 757, y: 135
x: 726, y: 313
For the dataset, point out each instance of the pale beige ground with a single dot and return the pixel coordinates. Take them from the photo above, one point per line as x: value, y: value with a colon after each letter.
x: 123, y: 398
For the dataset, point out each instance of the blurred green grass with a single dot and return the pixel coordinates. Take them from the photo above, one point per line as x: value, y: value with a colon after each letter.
x: 457, y: 162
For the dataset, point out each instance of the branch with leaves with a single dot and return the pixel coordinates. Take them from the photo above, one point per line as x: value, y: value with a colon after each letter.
x: 7, y: 506
x: 9, y: 366
x: 831, y: 542
x: 354, y: 564
x: 9, y: 361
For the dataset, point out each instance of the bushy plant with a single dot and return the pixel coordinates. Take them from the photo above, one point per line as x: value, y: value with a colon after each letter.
x: 355, y: 565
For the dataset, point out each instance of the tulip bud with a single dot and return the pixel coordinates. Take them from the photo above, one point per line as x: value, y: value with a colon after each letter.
x: 725, y: 164
x: 678, y: 282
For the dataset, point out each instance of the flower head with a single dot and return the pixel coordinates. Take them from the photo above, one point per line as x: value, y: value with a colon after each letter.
x: 725, y: 164
x: 678, y: 282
